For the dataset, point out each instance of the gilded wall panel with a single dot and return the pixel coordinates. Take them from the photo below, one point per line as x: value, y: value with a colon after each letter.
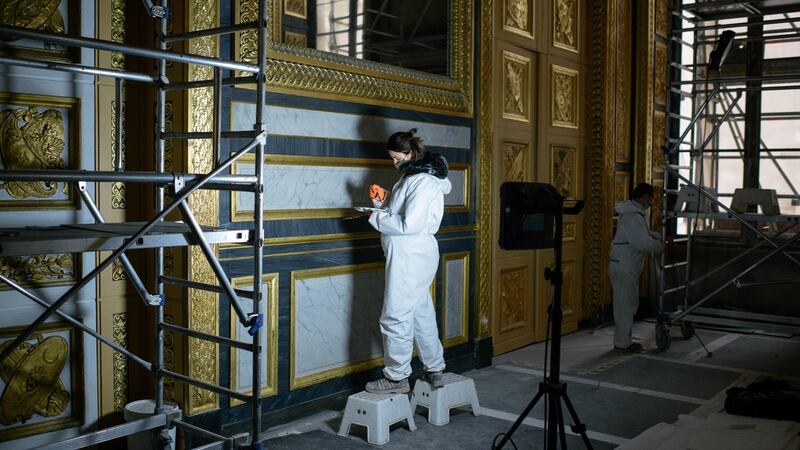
x: 662, y: 17
x: 623, y: 116
x: 621, y: 186
x: 514, y: 297
x: 119, y: 196
x: 566, y: 24
x: 484, y: 284
x: 203, y: 310
x: 295, y: 8
x: 518, y: 17
x: 37, y: 133
x: 42, y: 381
x: 564, y: 105
x: 516, y: 87
x: 295, y: 39
x: 515, y: 161
x: 659, y: 139
x: 40, y: 270
x: 52, y: 16
x: 563, y: 170
x: 661, y: 69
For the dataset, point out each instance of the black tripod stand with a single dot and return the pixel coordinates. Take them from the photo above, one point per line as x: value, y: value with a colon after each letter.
x: 552, y: 388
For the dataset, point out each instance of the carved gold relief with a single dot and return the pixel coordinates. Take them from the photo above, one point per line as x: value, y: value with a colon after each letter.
x: 296, y: 8
x: 120, y: 361
x: 293, y: 68
x: 296, y: 39
x: 169, y: 359
x: 518, y: 17
x: 513, y: 297
x: 516, y: 81
x: 661, y: 68
x: 569, y: 231
x: 35, y: 399
x: 659, y: 139
x: 662, y: 17
x: 31, y: 139
x: 119, y: 198
x: 486, y: 144
x: 203, y: 310
x: 118, y: 31
x: 563, y: 173
x: 565, y: 24
x: 621, y: 189
x: 658, y: 204
x: 515, y: 161
x: 565, y: 97
x: 117, y: 271
x: 39, y: 269
x: 40, y: 15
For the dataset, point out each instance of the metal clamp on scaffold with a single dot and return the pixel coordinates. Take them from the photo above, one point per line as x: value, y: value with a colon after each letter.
x: 254, y: 323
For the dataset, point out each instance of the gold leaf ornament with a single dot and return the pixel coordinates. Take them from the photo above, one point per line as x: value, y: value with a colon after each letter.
x: 31, y: 375
x: 40, y: 15
x: 31, y: 140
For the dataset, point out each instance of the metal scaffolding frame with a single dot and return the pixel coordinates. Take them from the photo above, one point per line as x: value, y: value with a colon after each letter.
x: 698, y: 141
x: 157, y: 233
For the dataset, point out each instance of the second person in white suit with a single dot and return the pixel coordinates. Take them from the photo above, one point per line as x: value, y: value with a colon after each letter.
x: 413, y: 212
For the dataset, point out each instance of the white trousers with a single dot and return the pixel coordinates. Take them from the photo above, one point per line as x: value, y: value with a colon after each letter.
x: 408, y: 315
x: 625, y: 286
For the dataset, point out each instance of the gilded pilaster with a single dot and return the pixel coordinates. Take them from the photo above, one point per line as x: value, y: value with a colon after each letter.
x: 485, y: 145
x: 644, y: 147
x: 202, y: 311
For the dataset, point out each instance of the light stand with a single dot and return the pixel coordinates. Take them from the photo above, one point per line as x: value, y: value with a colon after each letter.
x: 552, y: 388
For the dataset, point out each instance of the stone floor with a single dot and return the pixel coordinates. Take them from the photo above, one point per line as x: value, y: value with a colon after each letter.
x: 616, y: 396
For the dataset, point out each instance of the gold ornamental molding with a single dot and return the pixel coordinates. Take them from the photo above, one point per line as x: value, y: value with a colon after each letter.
x: 118, y: 32
x: 485, y: 145
x: 649, y: 83
x: 516, y: 87
x: 202, y: 305
x: 303, y: 71
x: 120, y: 362
x: 600, y: 155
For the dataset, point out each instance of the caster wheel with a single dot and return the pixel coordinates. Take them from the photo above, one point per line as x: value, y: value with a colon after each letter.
x: 687, y: 329
x: 663, y: 337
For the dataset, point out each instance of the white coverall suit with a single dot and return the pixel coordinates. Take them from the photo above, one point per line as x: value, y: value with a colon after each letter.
x: 632, y: 242
x: 416, y: 207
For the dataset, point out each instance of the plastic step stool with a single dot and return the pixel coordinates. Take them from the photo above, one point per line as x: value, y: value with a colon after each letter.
x: 457, y: 391
x: 376, y: 412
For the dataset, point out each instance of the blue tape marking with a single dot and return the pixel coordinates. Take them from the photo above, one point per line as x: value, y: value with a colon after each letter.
x: 255, y: 326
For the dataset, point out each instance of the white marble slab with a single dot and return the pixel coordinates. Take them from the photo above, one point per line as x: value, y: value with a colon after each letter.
x: 291, y: 187
x: 454, y: 297
x: 242, y: 372
x: 335, y: 321
x: 287, y: 121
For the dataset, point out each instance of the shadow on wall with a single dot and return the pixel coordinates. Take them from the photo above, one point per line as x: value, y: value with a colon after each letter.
x: 364, y: 317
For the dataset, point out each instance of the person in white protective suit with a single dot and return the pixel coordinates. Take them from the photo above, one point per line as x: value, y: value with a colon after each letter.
x: 413, y: 212
x: 632, y: 242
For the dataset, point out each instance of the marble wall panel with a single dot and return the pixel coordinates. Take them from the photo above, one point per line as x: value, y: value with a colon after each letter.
x: 334, y: 321
x: 328, y: 187
x: 456, y: 295
x: 288, y: 121
x: 242, y: 360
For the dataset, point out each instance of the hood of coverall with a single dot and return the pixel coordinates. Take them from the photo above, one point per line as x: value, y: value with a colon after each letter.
x: 629, y: 206
x: 432, y: 164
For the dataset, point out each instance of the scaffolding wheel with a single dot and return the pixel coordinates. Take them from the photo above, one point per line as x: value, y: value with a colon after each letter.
x: 687, y: 329
x: 663, y: 337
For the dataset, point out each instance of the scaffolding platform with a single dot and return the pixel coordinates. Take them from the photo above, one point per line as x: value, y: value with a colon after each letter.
x: 77, y: 238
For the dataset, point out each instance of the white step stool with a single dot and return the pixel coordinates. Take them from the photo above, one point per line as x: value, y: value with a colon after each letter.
x: 457, y: 391
x: 376, y: 412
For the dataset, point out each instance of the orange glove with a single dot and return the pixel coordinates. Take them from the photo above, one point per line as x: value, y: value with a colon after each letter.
x: 377, y: 193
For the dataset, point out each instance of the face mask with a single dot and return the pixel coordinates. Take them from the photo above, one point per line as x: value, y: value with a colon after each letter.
x: 647, y: 205
x: 399, y: 165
